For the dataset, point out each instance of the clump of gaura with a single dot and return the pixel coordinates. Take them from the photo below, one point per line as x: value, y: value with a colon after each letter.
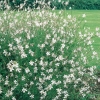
x: 45, y: 57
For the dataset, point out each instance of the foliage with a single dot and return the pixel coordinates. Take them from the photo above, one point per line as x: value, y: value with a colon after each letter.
x: 58, y: 4
x: 45, y: 56
x: 85, y: 4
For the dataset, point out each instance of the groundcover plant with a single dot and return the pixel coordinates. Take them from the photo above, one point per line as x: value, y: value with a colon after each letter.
x: 45, y: 56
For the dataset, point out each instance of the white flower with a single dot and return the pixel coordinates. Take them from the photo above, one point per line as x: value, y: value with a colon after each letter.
x: 23, y: 55
x: 57, y: 64
x: 10, y: 46
x: 70, y: 8
x: 59, y: 0
x: 31, y: 52
x: 48, y: 53
x: 97, y: 28
x: 48, y: 36
x: 84, y: 15
x: 10, y: 67
x: 18, y: 70
x: 62, y: 45
x: 49, y: 87
x: 31, y: 96
x: 69, y: 16
x: 35, y: 69
x: 18, y: 40
x: 50, y: 70
x: 83, y: 94
x: 31, y: 83
x: 21, y: 5
x: 59, y: 91
x: 89, y: 43
x: 99, y: 80
x: 15, y: 82
x: 0, y: 90
x: 26, y: 46
x: 37, y: 23
x: 6, y: 82
x: 60, y: 57
x: 23, y: 78
x: 53, y: 40
x: 27, y: 70
x: 5, y: 52
x: 65, y: 96
x: 31, y: 62
x: 9, y: 93
x: 13, y: 65
x: 41, y: 63
x: 53, y: 82
x: 43, y: 45
x: 94, y: 53
x: 66, y: 3
x: 24, y: 90
x: 13, y: 98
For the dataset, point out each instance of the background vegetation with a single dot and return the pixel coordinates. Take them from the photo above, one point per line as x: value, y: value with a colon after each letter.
x: 58, y: 4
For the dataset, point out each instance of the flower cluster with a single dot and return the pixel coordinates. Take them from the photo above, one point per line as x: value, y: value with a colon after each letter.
x: 45, y: 57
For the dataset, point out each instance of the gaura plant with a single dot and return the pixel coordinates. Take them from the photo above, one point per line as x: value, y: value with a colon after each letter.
x: 45, y: 56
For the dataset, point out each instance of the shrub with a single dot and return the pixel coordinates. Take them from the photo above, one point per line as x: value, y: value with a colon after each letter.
x: 58, y: 4
x: 84, y: 4
x: 45, y: 57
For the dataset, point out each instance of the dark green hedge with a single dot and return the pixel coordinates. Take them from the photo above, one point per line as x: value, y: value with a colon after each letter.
x: 85, y: 4
x: 75, y: 4
x: 78, y: 4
